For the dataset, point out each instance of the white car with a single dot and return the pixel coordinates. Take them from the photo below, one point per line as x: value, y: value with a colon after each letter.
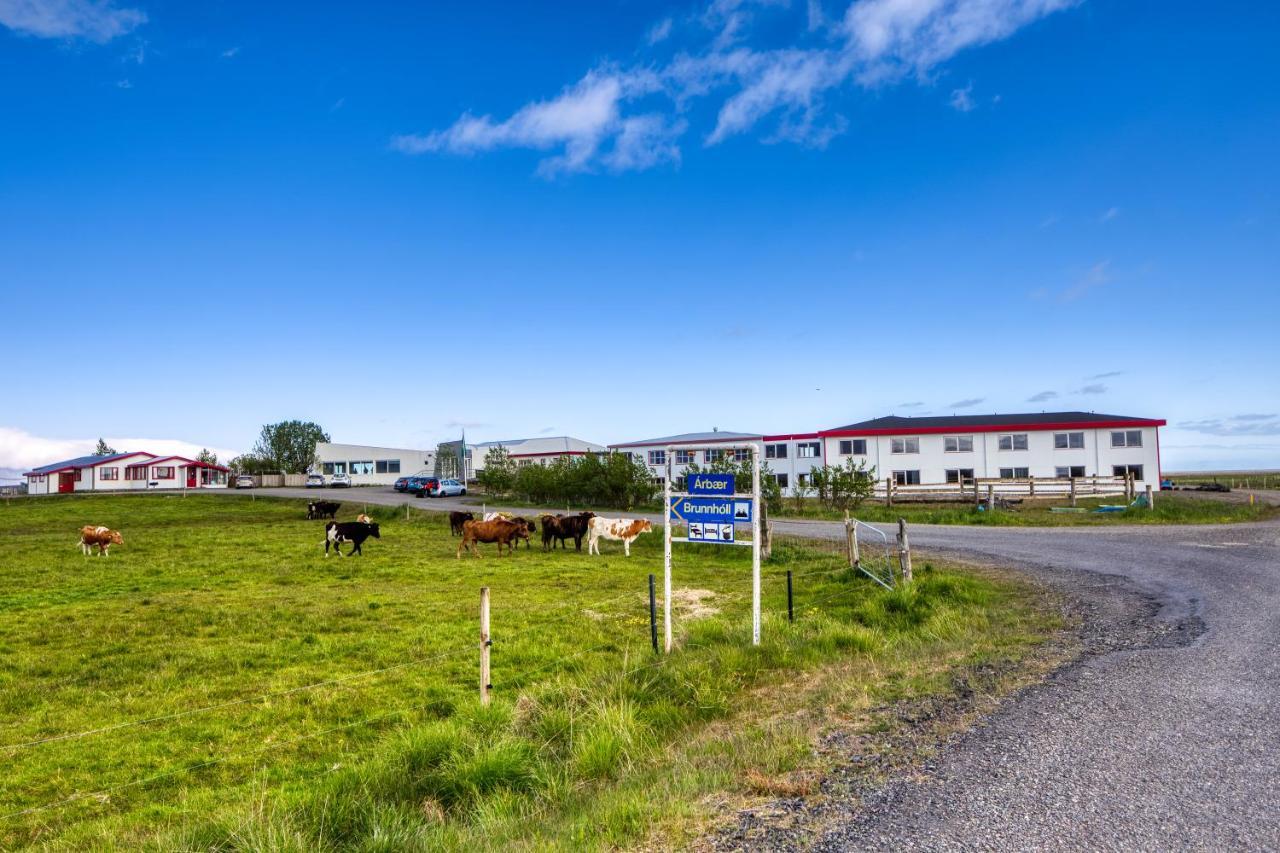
x: 244, y: 481
x: 340, y: 481
x: 315, y: 481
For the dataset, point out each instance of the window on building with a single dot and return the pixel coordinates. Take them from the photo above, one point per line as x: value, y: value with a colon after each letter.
x: 1068, y: 440
x: 803, y: 479
x: 657, y: 457
x: 906, y: 478
x: 960, y: 475
x: 362, y: 467
x: 1014, y: 441
x: 853, y: 447
x: 775, y: 451
x: 1121, y: 470
x: 77, y: 475
x: 1127, y: 438
x: 1062, y: 472
x: 809, y: 449
x: 957, y: 443
x: 904, y: 445
x: 388, y: 466
x: 162, y: 472
x: 713, y: 455
x: 781, y: 480
x: 333, y: 467
x: 742, y: 454
x: 1015, y: 473
x: 684, y: 457
x: 108, y: 473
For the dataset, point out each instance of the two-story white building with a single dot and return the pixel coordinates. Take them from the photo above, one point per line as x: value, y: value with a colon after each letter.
x: 790, y: 457
x: 1016, y: 446
x: 531, y: 451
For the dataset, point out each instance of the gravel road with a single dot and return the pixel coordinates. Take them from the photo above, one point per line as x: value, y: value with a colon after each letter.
x: 1164, y: 735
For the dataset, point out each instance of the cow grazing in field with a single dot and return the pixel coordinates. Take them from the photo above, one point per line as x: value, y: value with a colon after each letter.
x: 529, y: 528
x: 322, y: 509
x: 364, y: 519
x: 499, y: 531
x: 355, y: 532
x: 550, y: 528
x: 457, y: 519
x: 102, y: 537
x: 626, y: 529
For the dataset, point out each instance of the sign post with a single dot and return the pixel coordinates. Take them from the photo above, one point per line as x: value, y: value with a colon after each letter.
x: 709, y: 510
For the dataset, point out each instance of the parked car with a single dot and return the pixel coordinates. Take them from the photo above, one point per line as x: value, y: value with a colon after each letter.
x: 414, y: 483
x: 244, y: 481
x: 315, y: 481
x: 440, y: 487
x: 402, y: 484
x: 340, y: 481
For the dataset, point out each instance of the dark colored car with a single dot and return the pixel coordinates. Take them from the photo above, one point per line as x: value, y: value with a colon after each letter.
x: 411, y: 484
x: 402, y: 484
x: 426, y: 486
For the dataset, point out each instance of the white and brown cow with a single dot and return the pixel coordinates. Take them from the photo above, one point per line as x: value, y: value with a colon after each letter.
x: 102, y: 537
x: 626, y: 529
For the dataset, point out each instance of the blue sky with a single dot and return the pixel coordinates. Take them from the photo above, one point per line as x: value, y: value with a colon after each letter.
x: 628, y: 219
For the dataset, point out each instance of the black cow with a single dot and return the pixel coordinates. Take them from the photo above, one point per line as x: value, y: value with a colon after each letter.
x: 322, y: 509
x: 457, y: 519
x: 355, y: 532
x: 569, y: 527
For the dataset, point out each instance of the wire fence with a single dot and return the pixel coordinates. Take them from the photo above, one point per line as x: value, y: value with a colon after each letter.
x: 822, y: 562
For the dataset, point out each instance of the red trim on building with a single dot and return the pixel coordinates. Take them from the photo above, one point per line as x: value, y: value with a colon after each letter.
x: 961, y: 430
x: 159, y: 459
x: 792, y: 436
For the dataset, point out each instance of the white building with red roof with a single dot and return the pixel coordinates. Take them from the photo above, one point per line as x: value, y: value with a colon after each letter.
x: 136, y: 470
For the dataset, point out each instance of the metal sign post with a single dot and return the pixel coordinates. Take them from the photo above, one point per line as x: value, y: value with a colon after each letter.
x: 709, y: 508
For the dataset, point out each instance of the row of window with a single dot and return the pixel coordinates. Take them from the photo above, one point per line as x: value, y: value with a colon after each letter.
x: 1062, y: 472
x: 363, y: 466
x: 904, y: 445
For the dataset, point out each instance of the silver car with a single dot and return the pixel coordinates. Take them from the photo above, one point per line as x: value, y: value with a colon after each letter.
x: 244, y: 481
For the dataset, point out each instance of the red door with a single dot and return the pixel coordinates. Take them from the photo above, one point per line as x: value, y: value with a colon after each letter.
x: 66, y: 482
x: 191, y: 478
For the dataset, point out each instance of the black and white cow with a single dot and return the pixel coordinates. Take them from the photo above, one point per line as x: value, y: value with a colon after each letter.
x: 355, y: 532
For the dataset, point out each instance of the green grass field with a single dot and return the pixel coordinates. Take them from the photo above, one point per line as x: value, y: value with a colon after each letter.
x: 217, y: 684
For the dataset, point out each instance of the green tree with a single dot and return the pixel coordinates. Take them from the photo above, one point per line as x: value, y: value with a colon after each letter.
x: 207, y: 456
x: 247, y: 463
x: 104, y: 449
x: 289, y: 446
x: 799, y: 491
x: 499, y: 473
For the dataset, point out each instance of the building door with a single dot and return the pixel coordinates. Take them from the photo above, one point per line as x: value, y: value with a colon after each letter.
x: 191, y: 477
x: 66, y: 482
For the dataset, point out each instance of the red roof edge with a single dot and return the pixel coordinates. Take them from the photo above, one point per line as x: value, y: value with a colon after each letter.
x: 692, y: 443
x: 793, y: 435
x: 962, y: 430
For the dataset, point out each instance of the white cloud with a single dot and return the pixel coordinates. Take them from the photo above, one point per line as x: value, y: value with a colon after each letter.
x: 659, y: 32
x: 93, y: 20
x: 124, y: 84
x: 962, y: 99
x: 1042, y: 397
x: 230, y: 53
x: 23, y: 451
x: 1109, y: 214
x: 967, y: 403
x: 600, y: 122
x: 1097, y: 275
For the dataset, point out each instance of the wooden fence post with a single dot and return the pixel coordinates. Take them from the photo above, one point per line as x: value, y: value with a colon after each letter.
x: 1031, y: 485
x: 991, y: 497
x: 1151, y: 500
x: 904, y: 551
x: 1073, y: 491
x: 888, y: 491
x: 485, y: 643
x: 977, y: 495
x: 851, y: 541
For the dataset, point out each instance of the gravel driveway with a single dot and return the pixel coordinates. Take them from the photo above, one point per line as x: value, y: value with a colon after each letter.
x: 1164, y: 735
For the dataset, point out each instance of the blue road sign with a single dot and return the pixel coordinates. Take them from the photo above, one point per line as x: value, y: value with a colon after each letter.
x: 712, y: 510
x: 711, y: 484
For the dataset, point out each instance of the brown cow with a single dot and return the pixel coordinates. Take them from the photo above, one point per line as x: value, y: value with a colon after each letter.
x: 103, y: 537
x: 499, y: 531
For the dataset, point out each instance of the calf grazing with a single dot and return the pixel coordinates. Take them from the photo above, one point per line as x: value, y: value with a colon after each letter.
x: 499, y: 531
x: 626, y: 529
x: 355, y: 532
x: 322, y: 509
x: 457, y: 519
x: 103, y: 537
x: 550, y: 529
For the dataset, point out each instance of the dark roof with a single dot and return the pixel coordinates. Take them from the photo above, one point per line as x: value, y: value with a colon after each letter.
x: 79, y: 462
x: 693, y: 438
x: 1043, y: 420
